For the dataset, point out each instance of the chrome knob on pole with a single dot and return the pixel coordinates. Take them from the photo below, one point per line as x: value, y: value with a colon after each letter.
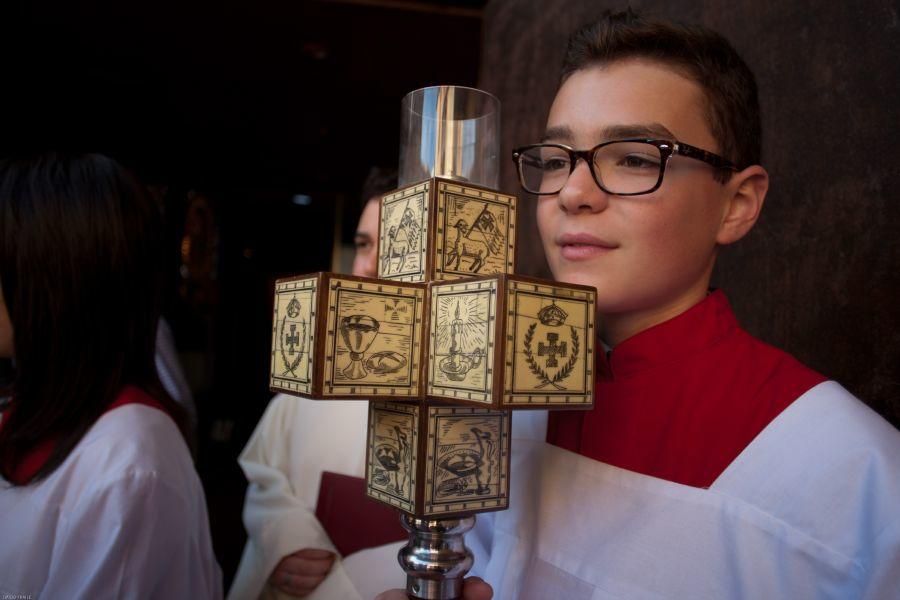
x: 436, y: 558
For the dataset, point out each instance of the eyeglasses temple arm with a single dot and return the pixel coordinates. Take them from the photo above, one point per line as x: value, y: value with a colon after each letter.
x: 707, y: 157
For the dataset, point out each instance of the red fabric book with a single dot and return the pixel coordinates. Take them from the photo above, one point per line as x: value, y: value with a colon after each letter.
x: 352, y: 520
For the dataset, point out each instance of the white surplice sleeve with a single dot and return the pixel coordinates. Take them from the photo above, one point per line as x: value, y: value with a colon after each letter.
x: 133, y: 538
x: 884, y: 581
x: 808, y: 510
x: 295, y: 441
x: 124, y: 516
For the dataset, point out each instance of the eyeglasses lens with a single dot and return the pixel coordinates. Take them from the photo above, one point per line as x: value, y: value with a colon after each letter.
x: 621, y: 168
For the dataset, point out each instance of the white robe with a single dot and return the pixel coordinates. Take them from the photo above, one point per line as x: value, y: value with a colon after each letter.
x: 295, y: 441
x: 810, y: 509
x: 124, y: 516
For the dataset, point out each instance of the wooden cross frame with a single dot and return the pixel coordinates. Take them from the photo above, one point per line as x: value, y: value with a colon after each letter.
x: 443, y: 345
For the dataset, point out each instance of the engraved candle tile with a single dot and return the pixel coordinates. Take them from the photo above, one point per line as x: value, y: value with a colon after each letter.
x: 510, y: 341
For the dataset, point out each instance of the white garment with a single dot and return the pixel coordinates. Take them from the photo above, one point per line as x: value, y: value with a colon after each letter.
x: 810, y: 509
x: 124, y: 516
x: 171, y: 374
x: 295, y: 441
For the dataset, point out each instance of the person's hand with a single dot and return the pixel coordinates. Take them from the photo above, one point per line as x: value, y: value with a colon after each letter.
x: 474, y: 588
x: 300, y: 573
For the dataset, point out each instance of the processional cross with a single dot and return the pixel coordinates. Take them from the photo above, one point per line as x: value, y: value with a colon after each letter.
x: 438, y: 444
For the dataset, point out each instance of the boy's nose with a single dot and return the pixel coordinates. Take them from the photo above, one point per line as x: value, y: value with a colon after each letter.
x: 581, y: 193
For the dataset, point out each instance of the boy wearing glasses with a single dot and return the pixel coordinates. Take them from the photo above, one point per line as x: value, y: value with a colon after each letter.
x: 713, y: 465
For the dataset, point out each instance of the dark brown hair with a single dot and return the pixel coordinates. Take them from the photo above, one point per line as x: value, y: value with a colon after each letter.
x: 80, y: 267
x: 697, y: 52
x: 379, y: 181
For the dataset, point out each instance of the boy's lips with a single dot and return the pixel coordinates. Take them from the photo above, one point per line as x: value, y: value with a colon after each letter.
x: 581, y: 246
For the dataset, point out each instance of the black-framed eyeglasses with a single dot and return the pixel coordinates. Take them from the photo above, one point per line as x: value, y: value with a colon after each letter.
x: 621, y: 167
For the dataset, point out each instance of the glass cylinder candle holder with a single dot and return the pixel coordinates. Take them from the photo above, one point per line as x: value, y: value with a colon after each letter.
x: 451, y: 132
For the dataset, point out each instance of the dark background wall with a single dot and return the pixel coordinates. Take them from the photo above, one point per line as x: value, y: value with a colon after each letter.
x: 255, y: 124
x: 820, y: 274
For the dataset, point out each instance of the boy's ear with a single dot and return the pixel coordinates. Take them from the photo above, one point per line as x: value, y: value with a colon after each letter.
x: 746, y: 192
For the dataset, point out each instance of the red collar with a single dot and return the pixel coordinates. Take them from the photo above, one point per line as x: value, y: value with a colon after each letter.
x: 37, y: 456
x: 681, y: 400
x: 696, y: 329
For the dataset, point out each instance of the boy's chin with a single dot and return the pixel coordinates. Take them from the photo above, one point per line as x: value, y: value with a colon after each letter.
x: 577, y: 277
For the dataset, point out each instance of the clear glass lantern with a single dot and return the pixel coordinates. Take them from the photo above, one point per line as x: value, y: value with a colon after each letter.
x: 451, y: 132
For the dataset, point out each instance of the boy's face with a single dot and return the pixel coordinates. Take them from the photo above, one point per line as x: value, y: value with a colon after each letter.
x: 650, y: 256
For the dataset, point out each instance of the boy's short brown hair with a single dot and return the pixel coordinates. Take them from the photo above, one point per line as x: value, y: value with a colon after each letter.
x: 697, y: 52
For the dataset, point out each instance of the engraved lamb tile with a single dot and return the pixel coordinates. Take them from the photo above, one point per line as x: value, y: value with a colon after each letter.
x: 444, y: 229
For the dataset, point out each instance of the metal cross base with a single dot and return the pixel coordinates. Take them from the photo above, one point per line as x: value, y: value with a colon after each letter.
x: 436, y: 558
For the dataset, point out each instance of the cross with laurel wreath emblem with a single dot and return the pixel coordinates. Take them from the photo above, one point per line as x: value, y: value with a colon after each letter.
x: 292, y: 339
x: 552, y: 349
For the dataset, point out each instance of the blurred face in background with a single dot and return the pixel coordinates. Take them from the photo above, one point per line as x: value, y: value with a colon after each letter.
x: 365, y: 264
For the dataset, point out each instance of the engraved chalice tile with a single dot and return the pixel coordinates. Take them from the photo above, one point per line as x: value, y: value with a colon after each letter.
x: 338, y: 336
x: 358, y: 332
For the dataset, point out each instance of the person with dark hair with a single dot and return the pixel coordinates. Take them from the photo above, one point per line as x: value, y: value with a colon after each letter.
x: 378, y: 182
x: 299, y: 449
x: 712, y: 465
x: 99, y: 497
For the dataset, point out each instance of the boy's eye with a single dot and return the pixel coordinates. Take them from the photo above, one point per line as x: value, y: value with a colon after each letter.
x: 638, y: 161
x: 628, y: 158
x: 549, y: 160
x: 556, y: 163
